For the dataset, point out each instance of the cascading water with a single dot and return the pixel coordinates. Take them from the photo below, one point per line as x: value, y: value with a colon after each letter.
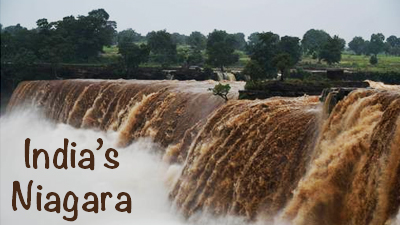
x: 279, y: 160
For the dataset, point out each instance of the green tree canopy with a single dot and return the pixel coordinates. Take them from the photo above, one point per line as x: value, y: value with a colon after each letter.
x: 282, y: 61
x: 17, y: 54
x: 163, y: 49
x: 197, y: 40
x: 221, y: 90
x: 357, y: 45
x: 240, y: 42
x: 291, y: 46
x: 132, y: 54
x: 393, y: 43
x: 263, y: 52
x: 331, y: 51
x: 253, y: 40
x: 313, y: 40
x: 93, y: 32
x: 376, y: 44
x: 220, y: 49
x: 129, y: 35
x: 179, y: 39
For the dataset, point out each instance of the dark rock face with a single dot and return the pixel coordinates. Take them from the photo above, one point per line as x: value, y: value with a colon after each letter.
x: 191, y: 74
x: 331, y: 96
x: 335, y: 74
x: 286, y: 89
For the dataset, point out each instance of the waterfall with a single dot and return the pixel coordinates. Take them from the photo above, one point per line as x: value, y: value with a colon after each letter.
x: 267, y: 161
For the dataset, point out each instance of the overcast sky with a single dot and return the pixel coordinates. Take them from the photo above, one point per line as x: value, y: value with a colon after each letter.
x: 346, y: 18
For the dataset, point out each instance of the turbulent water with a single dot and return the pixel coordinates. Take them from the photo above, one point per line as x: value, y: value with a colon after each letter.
x: 190, y: 158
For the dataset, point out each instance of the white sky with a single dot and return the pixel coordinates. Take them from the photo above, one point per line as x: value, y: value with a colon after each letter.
x: 346, y: 18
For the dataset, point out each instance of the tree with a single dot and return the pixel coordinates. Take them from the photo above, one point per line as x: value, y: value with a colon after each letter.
x: 393, y: 45
x: 129, y: 35
x: 313, y: 41
x: 331, y: 51
x: 357, y: 45
x: 253, y: 41
x: 221, y: 90
x: 163, y: 49
x: 93, y: 32
x: 282, y: 61
x: 254, y: 70
x: 197, y: 40
x: 264, y: 51
x: 85, y: 36
x: 291, y: 46
x: 366, y: 47
x: 240, y: 42
x: 178, y: 39
x: 17, y: 55
x: 376, y: 44
x: 133, y: 55
x: 220, y: 49
x: 195, y: 58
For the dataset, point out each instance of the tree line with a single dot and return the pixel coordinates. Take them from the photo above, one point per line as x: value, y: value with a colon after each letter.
x: 375, y: 45
x: 70, y: 40
x: 81, y: 40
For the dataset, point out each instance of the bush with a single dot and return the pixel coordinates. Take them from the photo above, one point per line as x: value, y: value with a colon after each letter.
x: 373, y: 60
x: 221, y: 90
x: 254, y: 70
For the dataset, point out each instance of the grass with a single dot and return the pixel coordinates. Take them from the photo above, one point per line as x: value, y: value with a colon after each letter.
x: 349, y: 61
x: 243, y: 59
x: 357, y: 63
x: 110, y: 50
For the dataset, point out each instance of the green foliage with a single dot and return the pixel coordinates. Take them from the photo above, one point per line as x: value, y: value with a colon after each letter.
x: 253, y: 41
x: 357, y: 45
x: 133, y: 55
x: 356, y: 63
x: 263, y: 53
x: 163, y: 49
x: 74, y: 39
x: 240, y: 42
x: 376, y: 44
x: 254, y: 70
x: 282, y: 61
x: 393, y: 45
x: 197, y: 41
x: 129, y: 35
x: 188, y: 56
x: 313, y: 41
x: 291, y: 46
x: 195, y: 58
x: 220, y: 49
x: 373, y: 60
x: 179, y: 39
x: 221, y: 90
x: 269, y: 54
x: 89, y: 33
x: 331, y: 51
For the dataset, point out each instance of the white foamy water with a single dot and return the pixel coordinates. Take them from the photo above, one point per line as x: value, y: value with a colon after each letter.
x: 141, y: 173
x: 397, y: 220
